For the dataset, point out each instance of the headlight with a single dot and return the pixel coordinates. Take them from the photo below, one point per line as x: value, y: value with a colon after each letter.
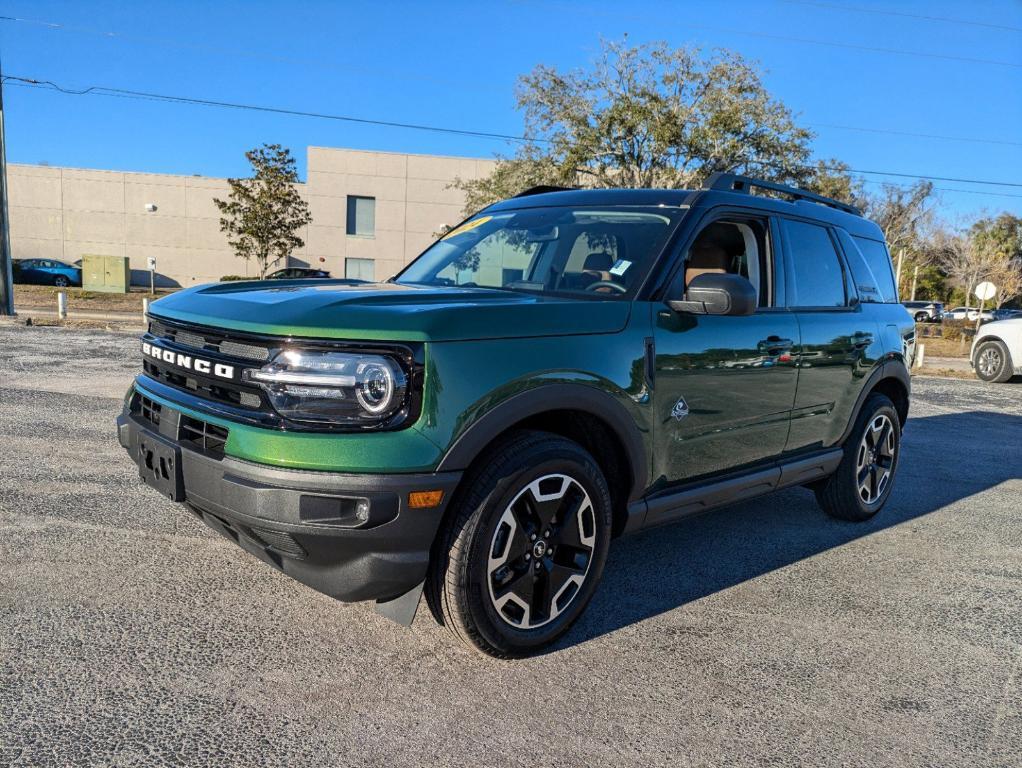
x: 332, y: 387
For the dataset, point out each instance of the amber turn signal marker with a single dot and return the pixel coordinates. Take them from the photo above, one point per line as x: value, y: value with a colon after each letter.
x: 424, y: 499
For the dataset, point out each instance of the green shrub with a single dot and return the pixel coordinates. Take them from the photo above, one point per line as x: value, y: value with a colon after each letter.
x: 229, y: 278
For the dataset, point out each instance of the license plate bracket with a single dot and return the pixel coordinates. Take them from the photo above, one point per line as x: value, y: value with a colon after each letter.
x: 159, y: 466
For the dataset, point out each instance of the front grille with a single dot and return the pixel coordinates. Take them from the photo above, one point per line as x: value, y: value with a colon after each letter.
x: 146, y: 409
x: 231, y: 393
x: 209, y: 340
x: 204, y: 437
x: 195, y: 434
x: 210, y: 344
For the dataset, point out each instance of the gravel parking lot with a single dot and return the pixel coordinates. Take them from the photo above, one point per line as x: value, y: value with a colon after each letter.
x: 765, y: 633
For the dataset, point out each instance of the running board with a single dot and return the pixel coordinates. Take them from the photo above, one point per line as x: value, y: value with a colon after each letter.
x: 669, y: 506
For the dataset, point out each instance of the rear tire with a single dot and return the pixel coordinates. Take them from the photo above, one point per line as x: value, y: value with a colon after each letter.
x: 863, y: 481
x: 993, y: 362
x: 524, y: 548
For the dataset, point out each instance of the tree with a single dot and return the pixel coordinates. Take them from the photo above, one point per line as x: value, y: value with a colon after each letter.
x: 1000, y: 238
x: 263, y: 214
x: 647, y: 116
x: 966, y: 260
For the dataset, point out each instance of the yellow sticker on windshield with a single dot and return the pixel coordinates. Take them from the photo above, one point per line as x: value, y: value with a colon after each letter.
x: 468, y: 226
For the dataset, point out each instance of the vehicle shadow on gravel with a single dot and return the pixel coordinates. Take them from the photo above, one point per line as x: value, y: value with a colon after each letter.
x: 665, y: 568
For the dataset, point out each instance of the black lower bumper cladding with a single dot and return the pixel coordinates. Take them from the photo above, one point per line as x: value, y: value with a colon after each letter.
x: 350, y: 536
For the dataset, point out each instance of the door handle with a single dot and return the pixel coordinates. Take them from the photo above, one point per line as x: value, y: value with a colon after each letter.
x: 774, y: 345
x: 862, y: 340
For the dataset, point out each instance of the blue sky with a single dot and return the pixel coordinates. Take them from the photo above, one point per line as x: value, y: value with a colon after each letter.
x: 455, y: 64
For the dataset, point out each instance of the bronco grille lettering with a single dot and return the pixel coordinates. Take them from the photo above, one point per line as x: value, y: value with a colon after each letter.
x: 189, y: 363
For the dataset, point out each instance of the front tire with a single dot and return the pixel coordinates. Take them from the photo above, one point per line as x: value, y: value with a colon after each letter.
x: 922, y: 317
x: 863, y: 481
x: 525, y: 547
x: 993, y: 362
x: 61, y: 282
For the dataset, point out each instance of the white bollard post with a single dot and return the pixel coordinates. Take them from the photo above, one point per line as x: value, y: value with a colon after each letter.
x: 145, y: 310
x: 62, y: 305
x: 920, y: 354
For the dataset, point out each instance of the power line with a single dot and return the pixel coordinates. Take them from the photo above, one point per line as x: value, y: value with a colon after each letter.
x: 904, y: 14
x: 662, y: 21
x: 942, y: 189
x: 220, y: 50
x: 315, y: 62
x: 912, y: 134
x: 126, y: 93
x: 101, y: 90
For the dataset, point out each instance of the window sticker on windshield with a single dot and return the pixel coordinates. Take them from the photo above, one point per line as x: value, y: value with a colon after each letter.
x: 620, y: 267
x: 467, y: 227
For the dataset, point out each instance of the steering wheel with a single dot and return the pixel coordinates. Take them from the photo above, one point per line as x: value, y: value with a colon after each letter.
x: 615, y: 287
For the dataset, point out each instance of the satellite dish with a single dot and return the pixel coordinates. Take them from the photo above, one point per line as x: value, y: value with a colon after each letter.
x: 985, y: 291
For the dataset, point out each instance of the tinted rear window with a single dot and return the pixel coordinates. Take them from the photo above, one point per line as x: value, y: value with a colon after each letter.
x: 878, y: 260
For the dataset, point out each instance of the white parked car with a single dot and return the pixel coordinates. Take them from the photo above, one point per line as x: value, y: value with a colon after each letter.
x: 967, y: 313
x: 997, y: 350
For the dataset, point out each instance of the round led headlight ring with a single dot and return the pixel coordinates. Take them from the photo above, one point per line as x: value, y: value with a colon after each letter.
x: 375, y: 388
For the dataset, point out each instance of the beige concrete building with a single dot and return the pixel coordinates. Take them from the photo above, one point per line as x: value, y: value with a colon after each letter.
x: 372, y: 212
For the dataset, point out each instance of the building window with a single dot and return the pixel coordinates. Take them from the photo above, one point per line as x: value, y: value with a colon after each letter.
x: 360, y: 269
x: 361, y: 216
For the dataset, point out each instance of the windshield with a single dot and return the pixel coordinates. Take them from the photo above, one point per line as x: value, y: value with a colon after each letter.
x: 596, y: 252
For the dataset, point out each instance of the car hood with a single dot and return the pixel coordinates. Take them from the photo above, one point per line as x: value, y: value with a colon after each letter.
x: 1013, y: 324
x: 338, y: 309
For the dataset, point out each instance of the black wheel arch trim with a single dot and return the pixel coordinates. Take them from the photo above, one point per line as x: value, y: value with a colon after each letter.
x: 552, y: 397
x: 891, y: 369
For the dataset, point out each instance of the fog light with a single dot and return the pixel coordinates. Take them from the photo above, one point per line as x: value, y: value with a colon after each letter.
x: 424, y: 499
x: 362, y: 510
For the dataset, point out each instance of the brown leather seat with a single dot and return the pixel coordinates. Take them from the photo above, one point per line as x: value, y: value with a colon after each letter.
x: 709, y: 258
x: 708, y: 253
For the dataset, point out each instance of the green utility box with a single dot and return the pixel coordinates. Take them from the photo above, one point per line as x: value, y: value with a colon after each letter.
x: 106, y: 273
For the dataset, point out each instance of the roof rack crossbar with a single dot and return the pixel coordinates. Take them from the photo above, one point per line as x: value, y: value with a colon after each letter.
x: 543, y: 188
x: 733, y: 182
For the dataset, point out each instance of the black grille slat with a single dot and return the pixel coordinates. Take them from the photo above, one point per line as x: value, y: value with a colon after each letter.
x: 146, y: 409
x: 204, y: 437
x: 280, y: 541
x: 203, y: 340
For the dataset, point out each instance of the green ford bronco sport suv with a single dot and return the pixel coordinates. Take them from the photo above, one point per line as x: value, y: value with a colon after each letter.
x: 564, y: 367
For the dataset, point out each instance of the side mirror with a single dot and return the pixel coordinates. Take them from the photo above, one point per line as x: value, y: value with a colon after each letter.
x: 718, y: 294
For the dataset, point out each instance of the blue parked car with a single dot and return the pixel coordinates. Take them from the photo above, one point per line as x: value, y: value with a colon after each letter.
x: 46, y: 272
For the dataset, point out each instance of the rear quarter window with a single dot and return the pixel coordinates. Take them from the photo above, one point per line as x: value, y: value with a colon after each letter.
x: 876, y: 259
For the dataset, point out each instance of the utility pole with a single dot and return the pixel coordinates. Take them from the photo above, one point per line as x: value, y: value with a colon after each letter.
x: 6, y: 269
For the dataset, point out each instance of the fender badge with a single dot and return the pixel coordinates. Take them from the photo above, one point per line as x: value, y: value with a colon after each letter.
x: 680, y: 409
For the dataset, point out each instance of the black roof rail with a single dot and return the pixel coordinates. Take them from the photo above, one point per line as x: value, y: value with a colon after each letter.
x: 543, y: 188
x: 732, y: 182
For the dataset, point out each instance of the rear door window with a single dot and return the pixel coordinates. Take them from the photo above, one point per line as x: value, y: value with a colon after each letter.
x: 817, y: 274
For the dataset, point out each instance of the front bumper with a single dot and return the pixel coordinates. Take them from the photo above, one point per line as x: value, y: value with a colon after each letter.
x: 307, y: 524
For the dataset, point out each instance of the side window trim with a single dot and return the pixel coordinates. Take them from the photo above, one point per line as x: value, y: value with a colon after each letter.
x: 675, y: 262
x: 851, y: 293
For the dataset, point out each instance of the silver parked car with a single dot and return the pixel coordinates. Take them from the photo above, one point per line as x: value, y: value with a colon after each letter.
x: 925, y: 311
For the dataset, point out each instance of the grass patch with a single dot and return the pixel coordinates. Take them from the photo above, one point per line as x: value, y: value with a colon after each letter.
x: 45, y: 297
x: 938, y: 347
x: 946, y: 373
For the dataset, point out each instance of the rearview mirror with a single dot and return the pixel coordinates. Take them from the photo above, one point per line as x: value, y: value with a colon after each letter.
x: 717, y: 294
